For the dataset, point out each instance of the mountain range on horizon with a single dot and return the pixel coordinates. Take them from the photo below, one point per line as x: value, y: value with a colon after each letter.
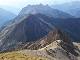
x: 63, y: 7
x: 46, y: 10
x: 11, y: 9
x: 5, y: 16
x: 40, y: 32
x: 71, y: 8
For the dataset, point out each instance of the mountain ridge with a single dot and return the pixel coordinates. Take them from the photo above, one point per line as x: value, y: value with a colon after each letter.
x: 36, y: 34
x: 26, y: 30
x: 71, y: 8
x: 5, y: 16
x: 44, y: 9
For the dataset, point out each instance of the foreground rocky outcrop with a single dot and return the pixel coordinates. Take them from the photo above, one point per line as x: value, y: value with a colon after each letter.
x: 56, y: 45
x: 53, y: 51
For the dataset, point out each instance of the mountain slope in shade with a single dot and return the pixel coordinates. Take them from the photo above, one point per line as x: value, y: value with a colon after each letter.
x: 71, y: 8
x: 32, y: 28
x: 5, y: 16
x: 71, y: 26
x: 29, y: 29
x: 44, y: 9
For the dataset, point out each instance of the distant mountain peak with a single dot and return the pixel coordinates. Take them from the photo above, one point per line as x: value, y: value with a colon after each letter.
x: 72, y: 8
x: 44, y: 9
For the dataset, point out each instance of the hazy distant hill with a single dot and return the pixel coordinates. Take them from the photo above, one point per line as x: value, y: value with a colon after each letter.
x: 5, y: 16
x: 72, y: 8
x: 14, y: 10
x: 44, y: 9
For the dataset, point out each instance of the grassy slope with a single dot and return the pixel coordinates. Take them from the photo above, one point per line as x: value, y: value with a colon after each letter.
x: 19, y: 56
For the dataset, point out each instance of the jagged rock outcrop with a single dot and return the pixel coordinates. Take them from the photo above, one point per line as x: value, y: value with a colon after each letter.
x: 61, y: 50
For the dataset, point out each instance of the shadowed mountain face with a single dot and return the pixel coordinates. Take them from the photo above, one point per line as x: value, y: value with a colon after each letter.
x: 44, y: 9
x: 34, y: 27
x: 72, y: 8
x: 5, y: 16
x: 29, y: 29
x: 70, y: 26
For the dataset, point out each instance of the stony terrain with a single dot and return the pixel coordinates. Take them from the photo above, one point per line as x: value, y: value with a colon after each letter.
x: 53, y: 51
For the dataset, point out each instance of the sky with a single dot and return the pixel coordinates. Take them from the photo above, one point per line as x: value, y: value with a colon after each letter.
x: 16, y: 3
x: 22, y: 3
